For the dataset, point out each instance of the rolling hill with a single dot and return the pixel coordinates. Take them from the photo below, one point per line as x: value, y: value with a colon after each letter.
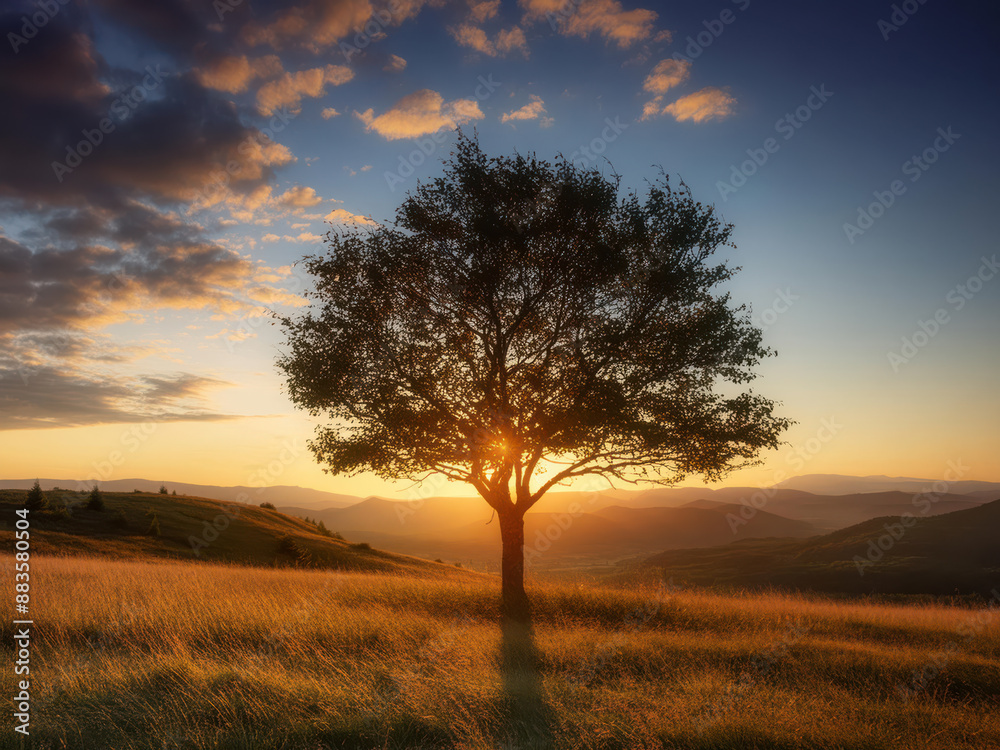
x: 455, y: 528
x: 192, y: 528
x: 953, y: 553
x: 278, y: 494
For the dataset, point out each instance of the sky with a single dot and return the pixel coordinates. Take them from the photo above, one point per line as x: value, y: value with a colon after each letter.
x: 163, y: 166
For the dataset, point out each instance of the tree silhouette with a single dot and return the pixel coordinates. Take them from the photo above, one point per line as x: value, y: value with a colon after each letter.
x: 520, y: 324
x: 95, y: 501
x: 36, y: 499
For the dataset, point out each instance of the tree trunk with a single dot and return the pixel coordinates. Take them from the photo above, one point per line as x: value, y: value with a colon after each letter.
x: 514, y: 606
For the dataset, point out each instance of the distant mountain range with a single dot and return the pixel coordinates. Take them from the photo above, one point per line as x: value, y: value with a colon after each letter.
x: 953, y: 553
x: 842, y: 484
x: 581, y: 528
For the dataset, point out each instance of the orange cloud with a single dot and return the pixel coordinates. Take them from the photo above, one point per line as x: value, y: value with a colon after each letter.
x: 507, y: 40
x: 234, y: 73
x: 299, y: 197
x: 483, y: 11
x: 708, y: 104
x: 604, y: 17
x: 396, y: 64
x: 343, y: 216
x: 288, y: 90
x: 667, y: 74
x: 420, y: 113
x: 530, y: 111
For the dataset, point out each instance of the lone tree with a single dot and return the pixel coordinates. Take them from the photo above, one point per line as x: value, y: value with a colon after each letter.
x: 95, y: 500
x: 36, y: 499
x: 521, y: 324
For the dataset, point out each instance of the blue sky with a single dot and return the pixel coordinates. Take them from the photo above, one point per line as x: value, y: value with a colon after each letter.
x: 132, y: 288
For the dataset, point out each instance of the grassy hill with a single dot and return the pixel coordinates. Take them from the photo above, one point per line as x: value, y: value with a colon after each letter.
x: 955, y: 553
x: 191, y: 528
x: 161, y: 654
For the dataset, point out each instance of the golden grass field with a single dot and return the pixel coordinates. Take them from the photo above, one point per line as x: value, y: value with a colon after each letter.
x: 166, y: 654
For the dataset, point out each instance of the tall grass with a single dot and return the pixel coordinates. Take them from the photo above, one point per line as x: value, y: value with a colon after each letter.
x: 186, y: 655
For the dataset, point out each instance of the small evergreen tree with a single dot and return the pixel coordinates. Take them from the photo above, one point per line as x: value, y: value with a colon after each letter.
x: 174, y: 492
x: 163, y: 489
x: 154, y: 525
x: 36, y: 498
x: 95, y: 501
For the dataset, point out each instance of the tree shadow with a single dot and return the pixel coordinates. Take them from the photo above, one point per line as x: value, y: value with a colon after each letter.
x: 528, y: 719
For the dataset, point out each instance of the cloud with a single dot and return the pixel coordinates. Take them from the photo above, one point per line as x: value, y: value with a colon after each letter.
x: 342, y: 216
x: 512, y: 39
x: 299, y: 197
x: 507, y: 40
x: 317, y: 24
x: 707, y: 104
x: 652, y: 108
x: 473, y: 37
x: 329, y: 113
x: 288, y: 90
x: 48, y: 396
x: 484, y: 10
x: 533, y: 110
x: 666, y: 75
x: 604, y: 17
x: 234, y: 73
x: 420, y: 113
x: 396, y: 64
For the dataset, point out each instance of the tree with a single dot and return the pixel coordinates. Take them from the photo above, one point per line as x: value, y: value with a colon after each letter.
x: 521, y: 324
x: 95, y: 501
x: 163, y: 489
x: 36, y: 499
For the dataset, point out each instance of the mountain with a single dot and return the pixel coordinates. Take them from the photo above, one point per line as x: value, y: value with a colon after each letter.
x: 953, y: 553
x: 277, y: 495
x: 840, y: 484
x: 192, y: 528
x: 463, y: 530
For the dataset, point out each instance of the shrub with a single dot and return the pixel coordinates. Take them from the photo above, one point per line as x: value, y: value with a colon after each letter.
x: 269, y: 506
x: 154, y: 525
x: 361, y: 546
x: 36, y: 498
x: 95, y: 501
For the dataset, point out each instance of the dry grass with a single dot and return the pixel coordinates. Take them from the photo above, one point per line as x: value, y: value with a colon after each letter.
x: 170, y: 654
